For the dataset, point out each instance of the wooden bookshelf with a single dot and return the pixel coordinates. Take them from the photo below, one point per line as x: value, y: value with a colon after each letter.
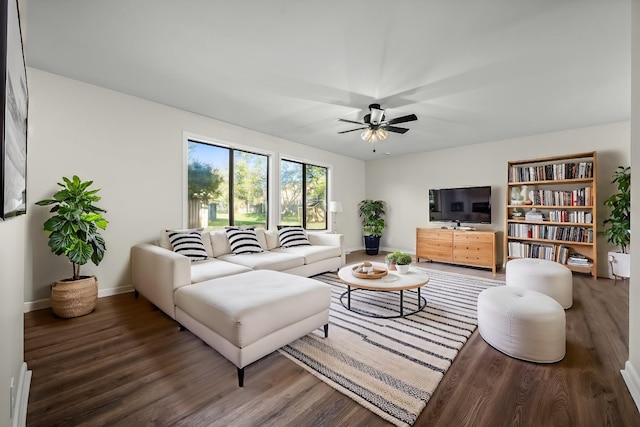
x: 563, y: 190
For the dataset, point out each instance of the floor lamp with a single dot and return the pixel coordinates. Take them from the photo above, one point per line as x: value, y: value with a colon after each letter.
x: 334, y: 208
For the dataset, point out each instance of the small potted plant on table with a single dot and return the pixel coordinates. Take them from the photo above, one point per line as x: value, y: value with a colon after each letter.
x: 403, y: 262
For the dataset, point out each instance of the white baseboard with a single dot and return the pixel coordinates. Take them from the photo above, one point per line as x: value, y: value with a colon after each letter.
x: 45, y: 303
x: 21, y: 398
x: 630, y: 376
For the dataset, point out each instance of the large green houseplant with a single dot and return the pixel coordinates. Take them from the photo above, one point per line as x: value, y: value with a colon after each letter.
x: 74, y: 232
x: 371, y: 213
x: 618, y: 225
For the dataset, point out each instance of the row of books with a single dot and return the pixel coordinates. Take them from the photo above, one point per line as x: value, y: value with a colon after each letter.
x: 571, y: 216
x: 551, y: 232
x: 557, y: 253
x: 551, y: 172
x: 576, y: 197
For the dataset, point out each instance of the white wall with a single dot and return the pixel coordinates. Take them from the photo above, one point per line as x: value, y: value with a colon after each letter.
x: 403, y: 182
x: 133, y: 150
x: 12, y: 254
x: 631, y: 372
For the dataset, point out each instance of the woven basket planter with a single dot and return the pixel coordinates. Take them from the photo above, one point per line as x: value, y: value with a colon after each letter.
x: 74, y: 298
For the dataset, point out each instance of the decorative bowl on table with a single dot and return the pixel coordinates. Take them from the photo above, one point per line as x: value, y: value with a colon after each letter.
x: 363, y: 272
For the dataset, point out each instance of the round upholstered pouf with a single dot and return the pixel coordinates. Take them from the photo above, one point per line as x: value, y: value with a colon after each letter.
x: 524, y: 324
x: 547, y: 277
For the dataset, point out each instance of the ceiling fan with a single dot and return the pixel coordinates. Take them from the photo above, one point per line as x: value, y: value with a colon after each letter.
x: 376, y: 127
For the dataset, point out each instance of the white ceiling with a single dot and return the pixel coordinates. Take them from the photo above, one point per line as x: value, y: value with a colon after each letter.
x: 472, y: 71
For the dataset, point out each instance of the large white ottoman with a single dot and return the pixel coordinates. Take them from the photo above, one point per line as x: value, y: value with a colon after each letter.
x: 547, y: 277
x: 249, y: 315
x: 524, y: 324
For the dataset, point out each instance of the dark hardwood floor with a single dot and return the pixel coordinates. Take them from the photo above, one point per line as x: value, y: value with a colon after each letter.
x: 127, y: 364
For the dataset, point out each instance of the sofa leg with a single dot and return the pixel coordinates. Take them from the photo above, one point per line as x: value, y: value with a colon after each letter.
x: 326, y: 330
x: 241, y: 377
x: 136, y: 294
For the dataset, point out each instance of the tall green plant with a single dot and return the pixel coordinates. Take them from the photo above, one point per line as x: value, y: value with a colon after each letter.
x: 618, y: 225
x: 74, y: 226
x: 371, y: 213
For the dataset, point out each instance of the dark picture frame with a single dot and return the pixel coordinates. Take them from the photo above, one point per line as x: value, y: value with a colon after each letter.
x: 13, y: 125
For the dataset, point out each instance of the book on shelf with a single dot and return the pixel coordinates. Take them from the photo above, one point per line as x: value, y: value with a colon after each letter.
x: 551, y: 172
x: 576, y: 197
x: 584, y: 217
x: 534, y: 215
x: 550, y: 232
x: 551, y: 252
x: 579, y: 260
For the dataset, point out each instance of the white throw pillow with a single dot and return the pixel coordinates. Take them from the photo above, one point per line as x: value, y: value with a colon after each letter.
x: 189, y: 244
x: 243, y: 241
x: 292, y: 236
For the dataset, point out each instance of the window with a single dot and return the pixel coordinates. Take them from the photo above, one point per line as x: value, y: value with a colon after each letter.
x: 303, y: 195
x: 226, y: 186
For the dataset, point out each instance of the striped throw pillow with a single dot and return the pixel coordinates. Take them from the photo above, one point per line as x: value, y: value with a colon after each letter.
x: 189, y: 244
x: 243, y: 241
x: 292, y: 236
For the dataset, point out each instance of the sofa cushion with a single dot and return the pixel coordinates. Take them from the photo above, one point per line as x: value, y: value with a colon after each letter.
x: 268, y: 260
x: 214, y: 268
x: 189, y: 244
x: 243, y: 241
x: 312, y: 253
x: 292, y: 236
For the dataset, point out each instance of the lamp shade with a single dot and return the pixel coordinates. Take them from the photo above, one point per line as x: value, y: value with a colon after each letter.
x: 335, y: 206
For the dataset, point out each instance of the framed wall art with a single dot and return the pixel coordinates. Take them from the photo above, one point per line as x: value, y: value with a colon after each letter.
x: 13, y: 126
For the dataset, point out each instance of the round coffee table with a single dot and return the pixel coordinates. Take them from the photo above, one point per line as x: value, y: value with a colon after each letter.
x: 393, y: 281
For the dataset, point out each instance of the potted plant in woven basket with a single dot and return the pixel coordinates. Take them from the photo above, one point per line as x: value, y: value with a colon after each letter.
x: 74, y: 232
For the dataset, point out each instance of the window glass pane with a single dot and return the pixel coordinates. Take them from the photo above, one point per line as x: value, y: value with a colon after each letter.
x: 316, y: 195
x: 207, y: 184
x: 249, y: 189
x: 290, y: 193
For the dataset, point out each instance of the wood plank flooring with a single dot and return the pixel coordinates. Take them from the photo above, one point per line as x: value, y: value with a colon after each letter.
x: 127, y: 364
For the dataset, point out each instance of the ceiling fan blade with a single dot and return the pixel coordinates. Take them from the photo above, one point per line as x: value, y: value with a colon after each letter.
x: 350, y: 121
x: 353, y: 130
x: 403, y: 119
x: 396, y: 129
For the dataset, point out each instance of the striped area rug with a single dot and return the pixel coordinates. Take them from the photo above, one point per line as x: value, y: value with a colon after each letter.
x: 392, y: 366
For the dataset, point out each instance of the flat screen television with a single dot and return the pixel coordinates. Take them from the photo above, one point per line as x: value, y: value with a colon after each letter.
x: 463, y: 204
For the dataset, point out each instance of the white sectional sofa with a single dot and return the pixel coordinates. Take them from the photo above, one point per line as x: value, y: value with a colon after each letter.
x: 240, y: 289
x: 157, y: 271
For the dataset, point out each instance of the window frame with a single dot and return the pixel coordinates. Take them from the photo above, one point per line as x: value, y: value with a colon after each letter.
x: 328, y: 191
x: 232, y: 146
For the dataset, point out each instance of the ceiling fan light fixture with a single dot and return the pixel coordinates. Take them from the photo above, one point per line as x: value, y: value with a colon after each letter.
x: 373, y: 136
x: 366, y: 134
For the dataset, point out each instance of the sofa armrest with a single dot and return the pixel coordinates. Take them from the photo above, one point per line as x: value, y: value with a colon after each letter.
x: 329, y: 239
x: 157, y: 272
